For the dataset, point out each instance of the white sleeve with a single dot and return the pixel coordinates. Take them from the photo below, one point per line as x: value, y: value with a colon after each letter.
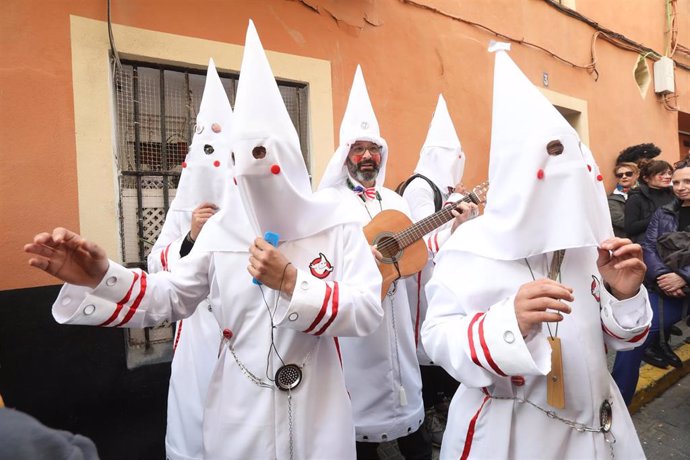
x: 166, y: 251
x: 348, y: 306
x: 476, y: 343
x: 625, y: 322
x: 132, y: 298
x: 420, y: 199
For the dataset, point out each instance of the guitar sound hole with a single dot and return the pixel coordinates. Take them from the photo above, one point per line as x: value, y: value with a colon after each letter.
x: 389, y: 248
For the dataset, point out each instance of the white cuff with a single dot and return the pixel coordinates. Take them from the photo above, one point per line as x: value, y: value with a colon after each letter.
x: 310, y: 306
x: 509, y: 351
x: 626, y: 318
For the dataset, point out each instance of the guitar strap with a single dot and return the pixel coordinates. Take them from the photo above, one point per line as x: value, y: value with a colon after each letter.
x: 438, y: 198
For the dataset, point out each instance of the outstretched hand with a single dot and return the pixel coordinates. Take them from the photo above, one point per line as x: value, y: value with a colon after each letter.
x: 68, y: 257
x: 621, y: 266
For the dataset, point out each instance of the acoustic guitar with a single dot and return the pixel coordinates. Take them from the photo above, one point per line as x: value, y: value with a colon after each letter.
x: 400, y: 241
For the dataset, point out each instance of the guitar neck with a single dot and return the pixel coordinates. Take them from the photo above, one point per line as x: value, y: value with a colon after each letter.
x: 432, y: 222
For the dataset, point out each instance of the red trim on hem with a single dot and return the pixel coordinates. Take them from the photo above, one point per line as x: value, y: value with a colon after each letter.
x: 322, y: 312
x: 121, y: 303
x: 470, y: 431
x: 337, y: 348
x: 334, y: 308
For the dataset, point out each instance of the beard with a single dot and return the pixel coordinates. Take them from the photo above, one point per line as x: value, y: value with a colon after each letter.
x: 360, y: 175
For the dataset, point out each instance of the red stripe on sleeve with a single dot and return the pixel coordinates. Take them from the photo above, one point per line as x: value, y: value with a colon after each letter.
x: 470, y: 431
x: 470, y: 339
x: 322, y: 312
x: 137, y: 301
x: 639, y: 336
x: 163, y: 259
x: 334, y: 308
x: 167, y: 251
x: 606, y: 329
x: 485, y: 348
x: 436, y: 241
x: 428, y: 244
x: 121, y: 303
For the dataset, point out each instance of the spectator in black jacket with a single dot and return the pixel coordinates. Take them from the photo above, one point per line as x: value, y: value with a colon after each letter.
x: 626, y: 174
x: 653, y: 192
x: 669, y: 288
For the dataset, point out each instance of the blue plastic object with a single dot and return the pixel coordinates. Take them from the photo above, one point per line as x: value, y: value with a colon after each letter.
x: 272, y: 239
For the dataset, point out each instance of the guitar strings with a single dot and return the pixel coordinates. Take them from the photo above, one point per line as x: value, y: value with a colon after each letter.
x: 395, y: 240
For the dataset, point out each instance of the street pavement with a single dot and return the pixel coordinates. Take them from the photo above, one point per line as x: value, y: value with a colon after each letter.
x: 663, y: 425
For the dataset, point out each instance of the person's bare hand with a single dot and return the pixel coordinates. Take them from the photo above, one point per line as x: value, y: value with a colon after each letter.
x: 69, y: 257
x: 466, y: 212
x: 671, y: 282
x: 200, y: 216
x: 460, y: 188
x: 536, y: 301
x: 377, y: 255
x: 621, y: 266
x: 268, y: 265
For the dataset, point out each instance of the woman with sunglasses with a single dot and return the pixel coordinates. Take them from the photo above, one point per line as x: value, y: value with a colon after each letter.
x: 653, y: 191
x: 626, y: 174
x: 668, y: 289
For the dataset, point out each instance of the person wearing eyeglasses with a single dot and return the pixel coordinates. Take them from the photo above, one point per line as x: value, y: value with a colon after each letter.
x: 653, y: 191
x: 626, y: 174
x: 382, y: 370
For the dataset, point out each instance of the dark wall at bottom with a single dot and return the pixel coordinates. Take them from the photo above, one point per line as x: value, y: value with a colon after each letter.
x: 75, y: 378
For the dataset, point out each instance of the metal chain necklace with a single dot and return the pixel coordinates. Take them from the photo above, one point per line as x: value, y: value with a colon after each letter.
x: 605, y: 419
x: 287, y: 377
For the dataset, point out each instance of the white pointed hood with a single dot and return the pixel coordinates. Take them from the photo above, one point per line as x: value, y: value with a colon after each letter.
x: 269, y: 168
x: 537, y: 202
x: 359, y: 124
x: 441, y: 158
x: 204, y: 170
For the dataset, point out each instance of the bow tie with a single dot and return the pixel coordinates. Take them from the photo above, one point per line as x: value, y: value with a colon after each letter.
x: 368, y: 192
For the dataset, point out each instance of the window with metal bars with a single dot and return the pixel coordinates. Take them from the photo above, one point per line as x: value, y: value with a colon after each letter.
x: 156, y: 107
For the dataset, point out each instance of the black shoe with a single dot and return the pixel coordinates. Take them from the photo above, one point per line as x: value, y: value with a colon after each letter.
x: 653, y: 357
x: 668, y: 354
x: 675, y: 330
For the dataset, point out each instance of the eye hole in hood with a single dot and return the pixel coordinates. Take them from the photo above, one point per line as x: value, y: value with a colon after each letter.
x: 554, y: 148
x: 259, y: 152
